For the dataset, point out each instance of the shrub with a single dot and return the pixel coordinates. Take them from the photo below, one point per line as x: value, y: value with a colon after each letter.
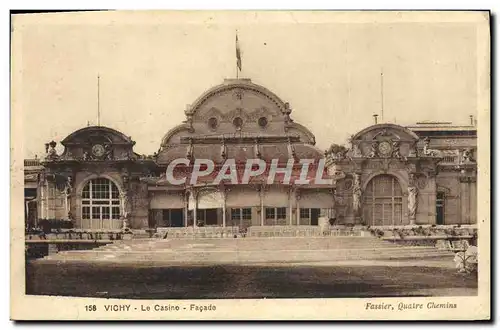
x: 466, y: 262
x: 49, y: 225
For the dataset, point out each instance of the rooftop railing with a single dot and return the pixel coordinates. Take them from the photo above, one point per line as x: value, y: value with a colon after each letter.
x: 31, y: 162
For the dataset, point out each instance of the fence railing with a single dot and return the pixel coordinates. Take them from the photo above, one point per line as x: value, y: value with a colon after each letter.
x: 31, y: 162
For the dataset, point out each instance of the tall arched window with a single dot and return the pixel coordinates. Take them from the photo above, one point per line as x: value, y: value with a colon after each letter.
x: 383, y: 201
x: 100, y: 202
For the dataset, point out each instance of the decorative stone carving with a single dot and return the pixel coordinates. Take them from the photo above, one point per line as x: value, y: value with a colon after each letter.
x: 356, y: 194
x: 51, y: 150
x: 238, y: 94
x: 287, y: 113
x: 125, y: 155
x: 189, y: 152
x: 108, y: 152
x: 386, y: 162
x: 291, y: 149
x: 31, y: 177
x: 411, y: 179
x: 430, y: 152
x: 412, y: 201
x: 413, y: 150
x: 467, y: 156
x: 69, y: 185
x: 345, y: 184
x: 262, y: 112
x: 336, y: 152
x: 223, y: 149
x: 395, y: 150
x: 421, y: 182
x: 373, y: 150
x: 125, y: 203
x: 256, y: 149
x: 355, y: 150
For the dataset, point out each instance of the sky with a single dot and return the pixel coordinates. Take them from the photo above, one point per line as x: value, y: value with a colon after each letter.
x: 152, y: 64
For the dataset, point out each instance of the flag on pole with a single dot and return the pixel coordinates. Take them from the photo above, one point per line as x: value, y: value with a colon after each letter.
x: 238, y: 53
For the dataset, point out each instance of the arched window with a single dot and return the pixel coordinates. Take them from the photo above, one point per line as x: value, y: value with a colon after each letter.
x: 100, y: 202
x: 383, y: 201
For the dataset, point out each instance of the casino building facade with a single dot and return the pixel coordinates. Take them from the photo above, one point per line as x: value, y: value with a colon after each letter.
x: 387, y: 175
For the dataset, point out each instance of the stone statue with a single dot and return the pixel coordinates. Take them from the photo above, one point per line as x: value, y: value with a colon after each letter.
x: 124, y: 199
x: 413, y: 150
x: 395, y: 149
x: 86, y: 156
x: 355, y: 150
x: 69, y: 185
x: 336, y: 152
x: 467, y: 156
x: 412, y: 201
x: 427, y: 151
x: 287, y: 112
x: 189, y: 151
x: 51, y: 152
x: 124, y: 217
x: 373, y: 150
x: 353, y: 147
x: 108, y: 152
x: 356, y: 194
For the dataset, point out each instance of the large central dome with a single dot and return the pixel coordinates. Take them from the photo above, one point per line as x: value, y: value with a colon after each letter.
x: 238, y: 107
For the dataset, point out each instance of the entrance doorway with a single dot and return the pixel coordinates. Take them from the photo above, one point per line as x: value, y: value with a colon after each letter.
x: 440, y: 208
x: 172, y: 218
x: 383, y: 202
x: 208, y: 217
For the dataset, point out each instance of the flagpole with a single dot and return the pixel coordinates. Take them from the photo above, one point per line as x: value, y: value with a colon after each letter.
x: 382, y: 93
x: 236, y: 44
x: 238, y: 56
x: 98, y: 102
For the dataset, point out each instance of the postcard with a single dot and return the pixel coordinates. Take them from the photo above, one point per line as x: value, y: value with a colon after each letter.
x: 250, y: 165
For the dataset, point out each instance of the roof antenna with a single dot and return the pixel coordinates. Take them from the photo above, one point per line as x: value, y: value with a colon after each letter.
x: 98, y: 103
x: 382, y: 94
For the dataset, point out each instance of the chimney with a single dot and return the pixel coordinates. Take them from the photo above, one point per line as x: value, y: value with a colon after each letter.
x: 471, y: 120
x: 375, y: 118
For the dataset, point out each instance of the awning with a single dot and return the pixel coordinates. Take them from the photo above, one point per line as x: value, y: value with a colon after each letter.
x: 207, y: 199
x: 242, y: 197
x: 276, y: 197
x: 167, y: 200
x: 316, y: 199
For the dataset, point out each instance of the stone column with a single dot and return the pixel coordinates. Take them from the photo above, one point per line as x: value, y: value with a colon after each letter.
x: 195, y: 209
x: 261, y: 193
x: 412, y: 203
x: 224, y: 208
x: 356, y: 197
x: 186, y: 207
x: 47, y: 201
x: 43, y: 214
x: 125, y: 207
x: 473, y: 201
x: 291, y: 197
x: 27, y: 210
x: 464, y: 200
x: 297, y: 206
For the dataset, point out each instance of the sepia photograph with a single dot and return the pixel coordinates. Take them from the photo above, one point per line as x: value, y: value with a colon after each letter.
x: 250, y: 165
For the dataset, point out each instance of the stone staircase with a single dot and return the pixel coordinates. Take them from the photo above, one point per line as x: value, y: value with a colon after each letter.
x: 249, y: 250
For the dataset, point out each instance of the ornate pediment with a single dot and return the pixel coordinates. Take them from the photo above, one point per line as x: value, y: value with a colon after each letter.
x: 384, y: 141
x: 93, y: 143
